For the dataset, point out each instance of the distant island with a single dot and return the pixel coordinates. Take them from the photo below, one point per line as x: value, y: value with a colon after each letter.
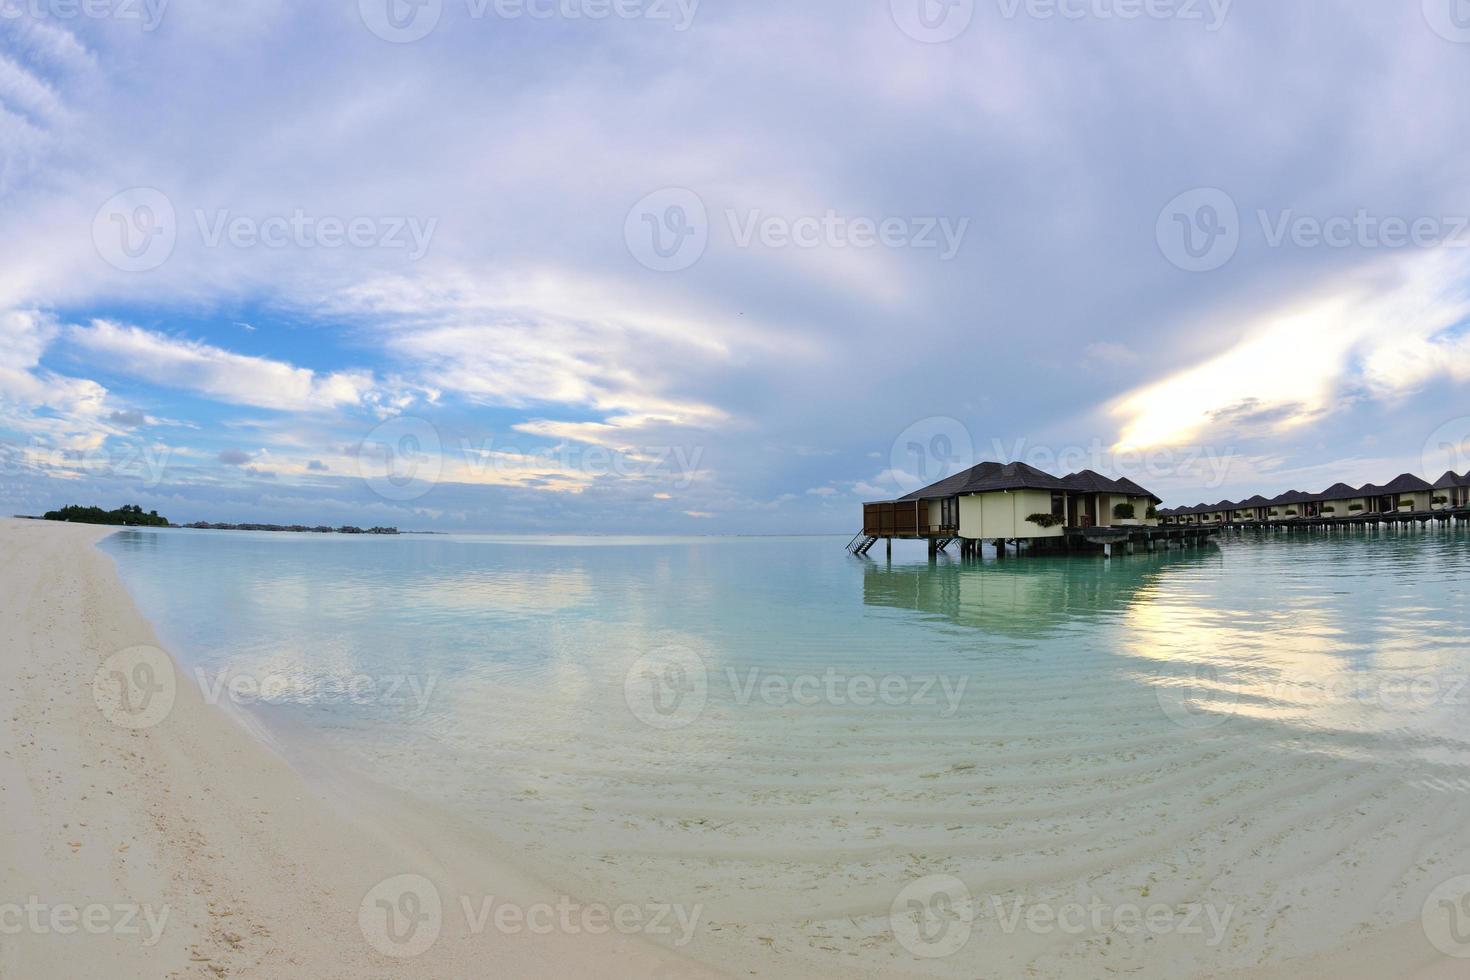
x: 131, y: 515
x: 296, y: 528
x: 128, y: 515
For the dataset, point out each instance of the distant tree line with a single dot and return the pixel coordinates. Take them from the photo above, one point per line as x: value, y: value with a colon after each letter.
x: 297, y: 528
x: 129, y: 515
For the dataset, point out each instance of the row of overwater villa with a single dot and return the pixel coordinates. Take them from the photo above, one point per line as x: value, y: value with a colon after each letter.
x: 1016, y: 503
x: 1404, y: 498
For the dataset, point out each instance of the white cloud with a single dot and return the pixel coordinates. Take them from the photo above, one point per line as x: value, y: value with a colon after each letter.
x: 1294, y: 364
x: 220, y: 374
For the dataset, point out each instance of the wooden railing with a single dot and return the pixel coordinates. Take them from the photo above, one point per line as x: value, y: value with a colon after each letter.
x: 903, y: 518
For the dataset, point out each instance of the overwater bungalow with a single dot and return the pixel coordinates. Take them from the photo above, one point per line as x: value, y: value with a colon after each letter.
x: 1013, y: 501
x: 1406, y: 496
x: 1451, y: 491
x: 1252, y: 509
x: 1340, y: 500
x: 1404, y: 493
x: 1291, y: 505
x: 1113, y: 502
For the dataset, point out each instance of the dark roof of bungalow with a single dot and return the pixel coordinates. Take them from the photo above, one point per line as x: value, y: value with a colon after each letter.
x: 1225, y: 505
x: 1256, y: 501
x: 1406, y: 483
x: 1138, y: 491
x: 1403, y: 483
x: 1291, y: 497
x: 1338, y: 491
x: 1450, y: 479
x: 987, y: 477
x: 1091, y: 481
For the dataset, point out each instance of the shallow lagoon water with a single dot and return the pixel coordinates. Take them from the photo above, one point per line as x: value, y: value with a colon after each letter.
x: 1269, y: 735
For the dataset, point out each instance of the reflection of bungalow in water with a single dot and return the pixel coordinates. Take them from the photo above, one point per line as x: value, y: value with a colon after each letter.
x: 1451, y: 491
x: 1340, y: 500
x: 1025, y: 600
x: 1405, y: 493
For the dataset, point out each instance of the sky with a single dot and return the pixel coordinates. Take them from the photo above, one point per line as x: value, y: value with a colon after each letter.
x: 693, y: 266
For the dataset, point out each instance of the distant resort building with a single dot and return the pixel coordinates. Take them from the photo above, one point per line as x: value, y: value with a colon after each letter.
x: 1003, y: 502
x: 1405, y: 496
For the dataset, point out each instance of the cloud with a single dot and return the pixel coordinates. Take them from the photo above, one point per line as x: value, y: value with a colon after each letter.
x: 317, y: 466
x: 237, y: 379
x: 1297, y: 363
x: 235, y: 457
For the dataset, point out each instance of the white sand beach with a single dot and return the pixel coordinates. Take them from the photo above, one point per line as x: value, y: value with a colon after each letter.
x: 188, y: 849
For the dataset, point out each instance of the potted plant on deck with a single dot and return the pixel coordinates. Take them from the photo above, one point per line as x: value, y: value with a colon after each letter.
x: 1123, y: 514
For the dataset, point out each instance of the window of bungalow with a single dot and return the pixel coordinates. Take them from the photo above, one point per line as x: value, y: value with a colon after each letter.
x: 1058, y: 505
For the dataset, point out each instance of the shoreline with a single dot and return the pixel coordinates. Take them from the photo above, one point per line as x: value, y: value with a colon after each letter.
x: 189, y: 848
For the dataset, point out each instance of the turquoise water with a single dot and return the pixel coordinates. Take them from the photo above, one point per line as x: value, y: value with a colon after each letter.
x: 791, y: 736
